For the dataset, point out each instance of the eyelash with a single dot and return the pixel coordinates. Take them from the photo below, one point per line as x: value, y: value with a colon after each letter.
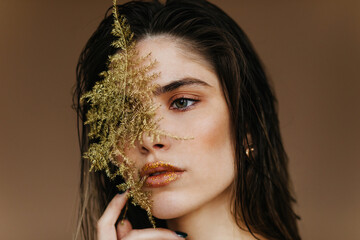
x: 193, y: 100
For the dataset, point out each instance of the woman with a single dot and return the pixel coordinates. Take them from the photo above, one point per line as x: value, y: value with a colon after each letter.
x: 230, y: 180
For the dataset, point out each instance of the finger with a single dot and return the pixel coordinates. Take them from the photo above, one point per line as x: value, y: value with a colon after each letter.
x: 112, y: 212
x: 123, y: 228
x: 152, y: 234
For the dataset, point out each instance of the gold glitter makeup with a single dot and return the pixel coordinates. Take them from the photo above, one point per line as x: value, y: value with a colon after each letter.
x: 150, y: 167
x: 162, y: 179
x: 160, y: 173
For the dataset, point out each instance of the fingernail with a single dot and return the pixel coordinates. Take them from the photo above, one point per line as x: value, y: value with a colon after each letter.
x: 181, y: 234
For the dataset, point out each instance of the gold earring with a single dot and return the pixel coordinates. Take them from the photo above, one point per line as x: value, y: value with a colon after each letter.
x: 248, y: 150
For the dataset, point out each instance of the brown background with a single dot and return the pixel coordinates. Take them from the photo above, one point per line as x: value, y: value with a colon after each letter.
x: 311, y: 50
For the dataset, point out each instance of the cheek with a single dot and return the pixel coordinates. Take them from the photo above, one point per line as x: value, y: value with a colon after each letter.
x: 212, y: 133
x: 212, y: 144
x: 213, y: 129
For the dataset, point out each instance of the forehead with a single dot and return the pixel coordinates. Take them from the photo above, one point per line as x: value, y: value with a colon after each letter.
x: 175, y: 59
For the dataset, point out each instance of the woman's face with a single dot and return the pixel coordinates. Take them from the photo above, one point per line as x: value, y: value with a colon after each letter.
x: 191, y: 105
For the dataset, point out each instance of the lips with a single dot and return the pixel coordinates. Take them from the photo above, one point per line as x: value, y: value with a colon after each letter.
x: 159, y: 174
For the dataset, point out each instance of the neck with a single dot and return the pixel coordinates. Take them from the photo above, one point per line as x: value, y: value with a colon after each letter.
x: 211, y: 221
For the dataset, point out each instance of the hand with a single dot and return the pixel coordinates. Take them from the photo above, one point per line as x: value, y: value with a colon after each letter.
x: 106, y: 229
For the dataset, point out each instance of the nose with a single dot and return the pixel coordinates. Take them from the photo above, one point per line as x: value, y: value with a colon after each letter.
x: 151, y: 144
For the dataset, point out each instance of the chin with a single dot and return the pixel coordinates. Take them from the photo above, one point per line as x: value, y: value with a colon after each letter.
x: 165, y: 213
x: 169, y: 206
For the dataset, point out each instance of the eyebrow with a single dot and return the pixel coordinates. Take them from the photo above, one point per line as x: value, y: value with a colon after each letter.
x: 179, y: 83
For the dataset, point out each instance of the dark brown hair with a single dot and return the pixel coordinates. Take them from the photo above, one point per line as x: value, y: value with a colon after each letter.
x: 262, y: 202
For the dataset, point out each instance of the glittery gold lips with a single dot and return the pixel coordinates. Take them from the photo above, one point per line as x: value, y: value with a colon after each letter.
x: 159, y: 174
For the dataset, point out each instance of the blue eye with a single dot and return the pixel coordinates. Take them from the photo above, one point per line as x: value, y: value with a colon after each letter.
x: 182, y: 104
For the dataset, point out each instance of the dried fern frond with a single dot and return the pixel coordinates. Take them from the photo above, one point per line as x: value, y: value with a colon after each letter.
x: 121, y: 111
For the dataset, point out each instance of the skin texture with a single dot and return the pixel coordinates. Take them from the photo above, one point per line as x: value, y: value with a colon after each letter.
x: 198, y: 202
x: 208, y: 158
